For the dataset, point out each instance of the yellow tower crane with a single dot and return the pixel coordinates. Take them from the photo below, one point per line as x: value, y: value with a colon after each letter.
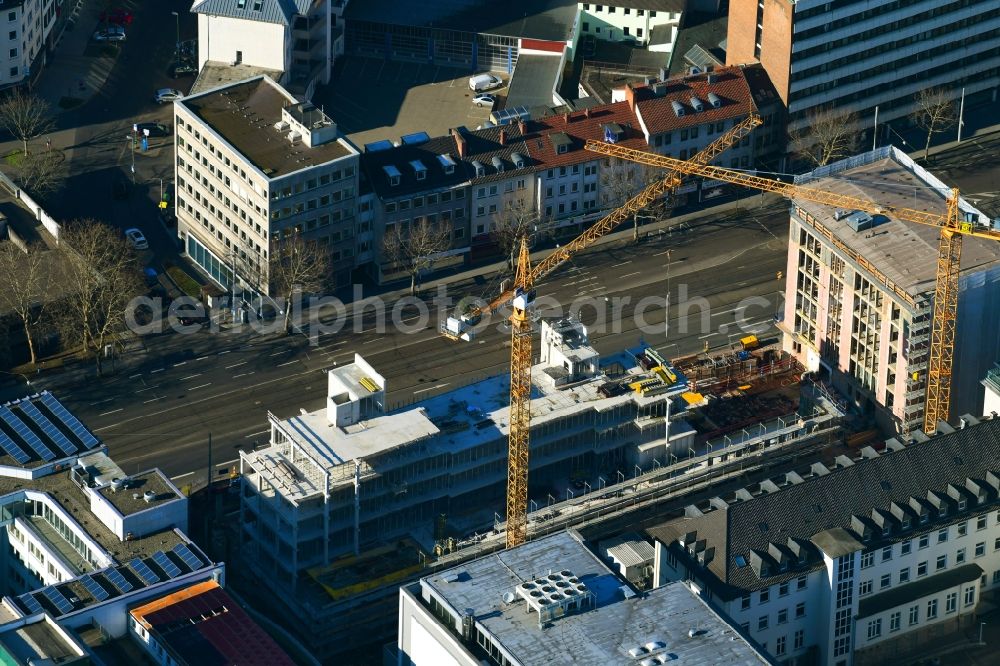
x: 952, y: 229
x: 521, y: 297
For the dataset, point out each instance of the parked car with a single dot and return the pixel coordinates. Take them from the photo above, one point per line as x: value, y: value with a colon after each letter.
x: 484, y: 100
x: 167, y: 95
x: 136, y: 238
x: 484, y: 82
x: 113, y: 33
x: 155, y: 129
x: 182, y: 68
x: 117, y: 16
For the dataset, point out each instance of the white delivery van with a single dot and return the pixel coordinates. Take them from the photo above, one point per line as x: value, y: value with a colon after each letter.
x: 484, y: 82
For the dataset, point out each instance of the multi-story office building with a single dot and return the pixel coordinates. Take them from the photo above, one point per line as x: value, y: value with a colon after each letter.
x: 29, y: 26
x: 294, y: 39
x: 854, y: 55
x: 553, y: 601
x: 632, y: 20
x: 866, y: 562
x: 859, y: 292
x: 82, y: 541
x: 354, y: 473
x: 256, y: 167
x: 991, y: 394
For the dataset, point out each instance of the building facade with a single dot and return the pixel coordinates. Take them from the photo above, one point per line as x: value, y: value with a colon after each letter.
x: 293, y: 38
x: 859, y: 292
x: 255, y: 168
x: 632, y: 20
x: 865, y: 562
x: 851, y: 55
x: 30, y: 27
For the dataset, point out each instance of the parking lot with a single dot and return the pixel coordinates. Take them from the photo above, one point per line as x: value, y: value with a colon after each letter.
x: 397, y: 98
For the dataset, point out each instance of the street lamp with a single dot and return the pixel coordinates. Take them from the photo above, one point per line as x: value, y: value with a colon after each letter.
x: 27, y: 381
x: 177, y: 48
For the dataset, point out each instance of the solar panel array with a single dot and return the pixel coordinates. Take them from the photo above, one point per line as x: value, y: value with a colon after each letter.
x: 30, y: 604
x: 118, y: 580
x: 13, y: 450
x: 169, y: 568
x: 58, y: 599
x: 192, y: 561
x: 26, y: 435
x: 96, y: 589
x: 70, y: 421
x: 144, y: 572
x: 55, y: 435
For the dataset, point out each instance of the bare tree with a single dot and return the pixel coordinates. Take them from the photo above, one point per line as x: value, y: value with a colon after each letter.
x: 935, y: 112
x: 297, y: 265
x: 827, y: 136
x: 41, y: 173
x: 26, y: 116
x: 102, y: 276
x: 618, y: 184
x: 417, y: 249
x: 515, y: 221
x: 25, y: 278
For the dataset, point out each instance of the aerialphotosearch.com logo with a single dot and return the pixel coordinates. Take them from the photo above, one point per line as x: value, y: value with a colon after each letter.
x: 319, y: 316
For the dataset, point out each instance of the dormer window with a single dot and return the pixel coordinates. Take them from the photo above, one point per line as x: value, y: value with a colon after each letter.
x: 480, y: 169
x: 561, y: 149
x: 447, y: 163
x: 943, y: 511
x: 924, y: 517
x: 392, y: 173
x: 886, y: 529
x: 962, y: 504
x: 906, y: 523
x: 419, y: 170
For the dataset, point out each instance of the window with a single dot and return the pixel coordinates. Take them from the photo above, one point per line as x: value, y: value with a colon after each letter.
x: 765, y: 594
x: 867, y: 560
x: 942, y: 562
x: 980, y: 549
x: 996, y: 576
x: 779, y: 646
x: 914, y: 615
x: 904, y: 575
x: 905, y: 547
x: 801, y: 583
x: 885, y: 581
x: 13, y: 53
x: 951, y: 602
x: 996, y: 544
x: 762, y: 623
x: 921, y: 569
x: 960, y: 556
x: 980, y: 523
x: 783, y: 589
x: 865, y: 587
x: 924, y: 541
x: 970, y: 596
x: 745, y: 602
x: 12, y: 16
x: 942, y: 535
x: 13, y: 71
x: 800, y: 636
x: 874, y: 628
x: 783, y: 616
x: 12, y: 35
x: 932, y: 607
x: 963, y: 528
x: 887, y: 553
x: 800, y: 609
x: 894, y: 621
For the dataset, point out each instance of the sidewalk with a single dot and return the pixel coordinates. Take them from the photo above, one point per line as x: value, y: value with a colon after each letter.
x: 74, y: 71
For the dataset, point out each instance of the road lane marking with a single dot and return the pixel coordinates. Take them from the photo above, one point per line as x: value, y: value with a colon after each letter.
x: 101, y: 402
x: 148, y: 388
x: 431, y: 388
x: 622, y: 263
x: 660, y: 254
x: 287, y: 363
x: 195, y: 388
x: 160, y: 370
x: 177, y: 365
x: 146, y: 402
x: 630, y: 274
x: 254, y: 434
x: 202, y: 358
x: 236, y: 364
x: 138, y: 374
x: 225, y: 352
x: 282, y: 351
x: 242, y: 375
x: 181, y: 476
x: 113, y: 411
x: 184, y: 379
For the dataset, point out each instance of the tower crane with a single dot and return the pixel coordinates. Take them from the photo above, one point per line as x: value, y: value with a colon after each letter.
x: 953, y: 227
x: 521, y: 297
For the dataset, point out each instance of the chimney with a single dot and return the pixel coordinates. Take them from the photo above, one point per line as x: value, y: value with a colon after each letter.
x: 586, y: 112
x: 503, y: 137
x: 522, y: 126
x: 630, y: 96
x: 459, y: 142
x: 566, y: 117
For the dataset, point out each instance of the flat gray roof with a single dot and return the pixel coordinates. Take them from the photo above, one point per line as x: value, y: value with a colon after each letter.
x: 215, y: 73
x: 602, y: 635
x: 131, y: 499
x: 244, y: 115
x: 905, y: 252
x: 534, y: 19
x: 533, y: 80
x: 37, y: 642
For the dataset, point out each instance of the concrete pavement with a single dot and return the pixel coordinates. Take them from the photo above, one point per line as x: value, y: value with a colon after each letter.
x: 74, y: 71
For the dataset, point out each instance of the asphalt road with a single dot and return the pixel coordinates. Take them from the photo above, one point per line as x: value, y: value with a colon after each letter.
x: 161, y: 410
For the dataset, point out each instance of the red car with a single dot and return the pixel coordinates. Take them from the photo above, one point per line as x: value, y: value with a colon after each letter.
x: 117, y: 16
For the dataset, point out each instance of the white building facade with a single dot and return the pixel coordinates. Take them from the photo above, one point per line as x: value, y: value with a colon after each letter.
x: 631, y: 20
x: 25, y: 29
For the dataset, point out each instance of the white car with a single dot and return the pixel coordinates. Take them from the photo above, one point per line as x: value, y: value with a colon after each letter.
x: 112, y: 33
x: 136, y: 238
x: 484, y: 100
x: 165, y: 95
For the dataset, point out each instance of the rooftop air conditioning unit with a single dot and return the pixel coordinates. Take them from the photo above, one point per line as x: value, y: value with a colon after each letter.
x: 281, y: 125
x: 294, y: 137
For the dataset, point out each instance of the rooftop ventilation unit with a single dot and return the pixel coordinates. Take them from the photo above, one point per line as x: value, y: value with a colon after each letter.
x: 697, y: 104
x: 841, y: 213
x: 860, y: 221
x: 678, y: 108
x: 148, y: 496
x: 714, y: 100
x: 294, y: 137
x: 555, y: 595
x: 281, y: 125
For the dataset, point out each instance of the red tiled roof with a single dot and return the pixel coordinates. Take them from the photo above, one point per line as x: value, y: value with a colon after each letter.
x: 729, y: 84
x: 204, y: 625
x: 580, y: 126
